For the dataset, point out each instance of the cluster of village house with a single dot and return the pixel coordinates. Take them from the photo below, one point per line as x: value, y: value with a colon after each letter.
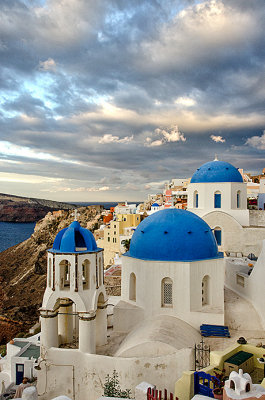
x: 173, y: 280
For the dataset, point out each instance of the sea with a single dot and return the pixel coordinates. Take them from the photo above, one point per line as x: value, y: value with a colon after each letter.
x: 12, y: 233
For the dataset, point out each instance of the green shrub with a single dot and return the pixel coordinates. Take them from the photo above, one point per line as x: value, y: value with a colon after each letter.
x: 112, y: 387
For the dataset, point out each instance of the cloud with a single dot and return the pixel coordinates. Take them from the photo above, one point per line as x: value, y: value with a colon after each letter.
x: 217, y: 139
x: 185, y: 101
x: 55, y: 189
x: 171, y: 134
x: 48, y: 65
x: 108, y: 138
x: 258, y: 142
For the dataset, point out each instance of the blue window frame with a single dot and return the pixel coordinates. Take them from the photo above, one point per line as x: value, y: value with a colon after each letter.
x: 218, y: 236
x: 217, y: 200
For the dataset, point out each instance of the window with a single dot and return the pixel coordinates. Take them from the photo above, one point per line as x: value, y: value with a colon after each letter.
x: 166, y: 292
x: 217, y: 200
x: 238, y: 199
x: 218, y: 235
x: 108, y: 239
x: 205, y: 290
x: 196, y: 199
x: 232, y: 384
x: 50, y: 273
x: 64, y: 274
x: 132, y: 287
x: 100, y: 272
x: 86, y: 274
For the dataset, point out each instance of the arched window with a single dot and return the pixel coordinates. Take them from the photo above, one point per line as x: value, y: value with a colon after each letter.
x: 100, y: 272
x: 50, y: 273
x: 218, y: 235
x: 238, y: 199
x: 232, y: 384
x: 217, y: 199
x: 166, y: 293
x: 195, y: 199
x: 64, y: 274
x: 86, y: 274
x: 248, y: 387
x: 206, y: 290
x: 132, y: 287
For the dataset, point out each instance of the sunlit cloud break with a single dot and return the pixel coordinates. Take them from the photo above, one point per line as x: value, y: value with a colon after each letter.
x: 257, y: 142
x: 217, y: 139
x: 10, y: 149
x: 171, y: 134
x: 108, y: 138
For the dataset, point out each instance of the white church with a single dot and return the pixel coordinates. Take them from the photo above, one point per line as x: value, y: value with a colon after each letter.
x: 172, y: 282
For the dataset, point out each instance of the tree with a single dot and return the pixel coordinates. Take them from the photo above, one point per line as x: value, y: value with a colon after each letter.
x: 126, y: 244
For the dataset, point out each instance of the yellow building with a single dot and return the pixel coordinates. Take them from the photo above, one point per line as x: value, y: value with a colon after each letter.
x: 115, y: 233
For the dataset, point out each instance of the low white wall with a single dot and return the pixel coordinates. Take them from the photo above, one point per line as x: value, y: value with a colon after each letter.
x: 70, y: 371
x: 251, y: 287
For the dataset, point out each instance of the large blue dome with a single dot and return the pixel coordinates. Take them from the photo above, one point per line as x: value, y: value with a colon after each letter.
x: 74, y: 239
x: 173, y: 235
x: 216, y: 171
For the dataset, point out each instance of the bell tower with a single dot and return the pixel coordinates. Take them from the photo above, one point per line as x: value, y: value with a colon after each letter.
x: 74, y: 308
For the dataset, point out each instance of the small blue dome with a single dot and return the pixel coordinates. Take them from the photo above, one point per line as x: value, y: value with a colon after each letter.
x: 155, y: 205
x: 216, y: 171
x: 74, y: 239
x: 173, y: 235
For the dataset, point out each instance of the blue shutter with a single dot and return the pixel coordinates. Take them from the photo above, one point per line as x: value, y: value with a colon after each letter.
x: 217, y: 200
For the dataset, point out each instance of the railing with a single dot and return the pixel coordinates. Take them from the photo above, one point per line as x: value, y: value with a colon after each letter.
x: 153, y: 394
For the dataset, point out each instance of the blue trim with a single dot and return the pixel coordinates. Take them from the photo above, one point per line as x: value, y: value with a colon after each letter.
x: 219, y: 255
x: 75, y: 252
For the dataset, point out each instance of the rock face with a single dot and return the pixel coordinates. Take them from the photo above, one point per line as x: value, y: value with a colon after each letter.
x: 23, y: 209
x: 23, y: 270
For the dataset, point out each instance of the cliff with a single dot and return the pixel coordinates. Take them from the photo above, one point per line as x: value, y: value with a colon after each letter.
x: 25, y: 209
x: 23, y: 270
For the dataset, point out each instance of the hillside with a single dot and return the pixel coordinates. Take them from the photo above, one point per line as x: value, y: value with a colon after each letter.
x: 26, y: 209
x: 23, y: 270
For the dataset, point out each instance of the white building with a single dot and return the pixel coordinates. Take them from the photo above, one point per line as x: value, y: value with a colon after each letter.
x: 74, y: 300
x: 173, y: 268
x: 218, y: 194
x: 172, y: 281
x: 21, y: 358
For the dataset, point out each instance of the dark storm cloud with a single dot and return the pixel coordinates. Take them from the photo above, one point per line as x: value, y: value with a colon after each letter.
x: 90, y: 82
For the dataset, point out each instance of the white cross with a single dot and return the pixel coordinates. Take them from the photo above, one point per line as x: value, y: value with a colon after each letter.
x: 216, y: 158
x: 75, y: 214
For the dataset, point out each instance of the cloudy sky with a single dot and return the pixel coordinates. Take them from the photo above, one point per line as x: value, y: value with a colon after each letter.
x: 106, y: 100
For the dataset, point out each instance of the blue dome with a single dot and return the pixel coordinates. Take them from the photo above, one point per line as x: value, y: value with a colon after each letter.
x: 155, y: 205
x: 74, y: 239
x: 173, y: 235
x: 216, y: 171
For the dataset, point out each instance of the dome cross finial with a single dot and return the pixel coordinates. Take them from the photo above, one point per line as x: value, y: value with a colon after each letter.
x: 216, y: 158
x: 75, y: 214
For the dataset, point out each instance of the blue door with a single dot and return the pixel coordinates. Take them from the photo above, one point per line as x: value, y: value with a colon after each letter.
x: 19, y: 373
x: 218, y: 236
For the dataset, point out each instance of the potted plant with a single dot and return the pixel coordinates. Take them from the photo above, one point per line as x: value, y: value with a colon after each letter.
x: 219, y: 382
